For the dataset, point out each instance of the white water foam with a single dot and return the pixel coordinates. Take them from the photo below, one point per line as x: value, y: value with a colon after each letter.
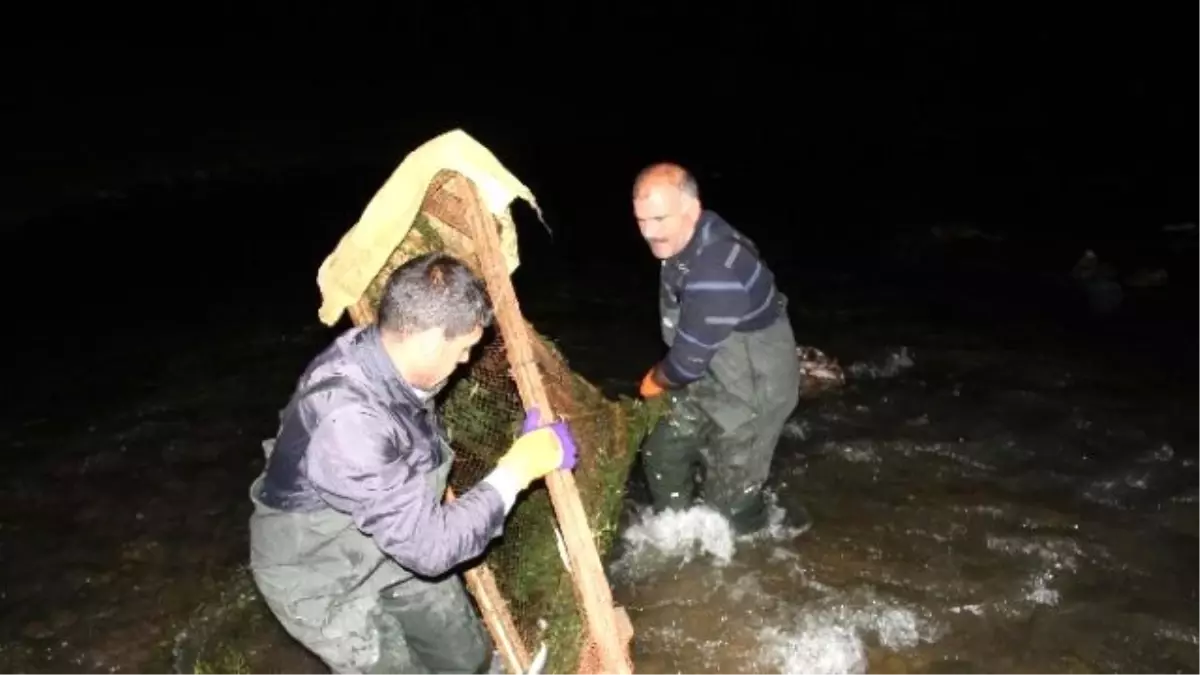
x: 679, y: 535
x: 831, y: 636
x: 700, y: 531
x: 825, y: 635
x: 894, y: 364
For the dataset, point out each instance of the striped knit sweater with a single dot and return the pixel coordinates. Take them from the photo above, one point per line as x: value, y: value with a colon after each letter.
x: 720, y: 285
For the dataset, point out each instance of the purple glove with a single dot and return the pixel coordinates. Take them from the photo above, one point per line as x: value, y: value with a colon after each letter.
x: 565, y: 440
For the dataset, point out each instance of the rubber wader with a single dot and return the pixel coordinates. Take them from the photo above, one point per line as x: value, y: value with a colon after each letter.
x: 726, y: 424
x: 337, y: 593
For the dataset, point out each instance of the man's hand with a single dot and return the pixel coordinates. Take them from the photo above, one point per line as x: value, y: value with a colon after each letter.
x: 539, y: 450
x: 651, y: 384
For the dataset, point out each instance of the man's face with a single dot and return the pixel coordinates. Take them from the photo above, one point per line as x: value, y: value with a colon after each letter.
x: 666, y: 217
x: 434, y: 356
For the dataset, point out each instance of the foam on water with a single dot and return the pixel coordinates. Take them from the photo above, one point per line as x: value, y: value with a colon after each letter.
x: 825, y: 634
x: 830, y: 636
x: 895, y: 363
x: 895, y: 578
x: 679, y: 535
x: 700, y: 531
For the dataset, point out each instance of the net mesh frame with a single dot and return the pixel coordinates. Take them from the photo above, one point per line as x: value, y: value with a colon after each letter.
x: 482, y: 411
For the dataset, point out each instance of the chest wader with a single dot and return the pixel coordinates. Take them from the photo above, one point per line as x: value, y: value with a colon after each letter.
x: 726, y: 424
x: 352, y: 605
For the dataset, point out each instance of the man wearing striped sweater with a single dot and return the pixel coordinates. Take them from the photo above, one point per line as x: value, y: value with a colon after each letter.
x: 730, y: 370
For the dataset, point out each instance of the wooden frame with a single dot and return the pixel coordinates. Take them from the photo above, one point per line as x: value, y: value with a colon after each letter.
x: 608, y: 627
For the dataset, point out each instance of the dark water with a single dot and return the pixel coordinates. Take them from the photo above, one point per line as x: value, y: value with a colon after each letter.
x: 978, y: 509
x: 1005, y: 483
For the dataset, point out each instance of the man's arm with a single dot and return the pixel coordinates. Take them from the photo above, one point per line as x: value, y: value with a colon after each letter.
x: 348, y: 463
x: 712, y: 303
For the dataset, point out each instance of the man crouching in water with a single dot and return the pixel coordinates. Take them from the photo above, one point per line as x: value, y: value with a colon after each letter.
x: 351, y: 543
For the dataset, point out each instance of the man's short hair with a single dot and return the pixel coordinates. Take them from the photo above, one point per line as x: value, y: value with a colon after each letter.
x: 683, y: 179
x: 434, y: 290
x: 688, y: 185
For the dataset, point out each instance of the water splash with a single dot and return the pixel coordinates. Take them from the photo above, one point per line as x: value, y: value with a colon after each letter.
x: 831, y: 636
x: 895, y: 363
x: 675, y: 535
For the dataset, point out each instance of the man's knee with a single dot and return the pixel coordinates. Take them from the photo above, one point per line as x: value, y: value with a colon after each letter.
x: 670, y: 456
x: 438, y: 626
x: 343, y: 640
x: 737, y: 471
x: 672, y: 486
x: 739, y: 499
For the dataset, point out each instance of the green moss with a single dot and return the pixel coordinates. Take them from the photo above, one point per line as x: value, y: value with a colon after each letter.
x: 429, y: 236
x: 421, y: 238
x: 540, y: 582
x: 477, y: 417
x: 228, y: 660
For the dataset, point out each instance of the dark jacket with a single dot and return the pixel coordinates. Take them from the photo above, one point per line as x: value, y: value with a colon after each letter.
x: 358, y: 439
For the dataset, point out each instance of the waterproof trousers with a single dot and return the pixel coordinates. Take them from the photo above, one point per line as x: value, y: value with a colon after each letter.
x: 336, y: 593
x: 725, y: 426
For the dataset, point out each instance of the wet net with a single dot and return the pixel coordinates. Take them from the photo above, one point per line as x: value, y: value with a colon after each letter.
x: 483, y: 410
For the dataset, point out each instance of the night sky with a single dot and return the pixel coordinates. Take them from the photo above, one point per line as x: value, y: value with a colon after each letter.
x: 889, y: 111
x: 814, y: 126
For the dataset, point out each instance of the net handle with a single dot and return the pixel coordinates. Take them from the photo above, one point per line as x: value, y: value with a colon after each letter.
x: 590, y: 582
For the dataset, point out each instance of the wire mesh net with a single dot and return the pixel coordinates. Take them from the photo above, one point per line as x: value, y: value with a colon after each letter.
x: 482, y: 412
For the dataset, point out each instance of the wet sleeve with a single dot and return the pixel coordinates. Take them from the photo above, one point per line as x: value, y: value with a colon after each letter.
x: 352, y: 462
x: 712, y: 303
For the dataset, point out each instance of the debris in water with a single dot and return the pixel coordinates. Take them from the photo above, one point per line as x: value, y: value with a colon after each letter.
x: 820, y: 372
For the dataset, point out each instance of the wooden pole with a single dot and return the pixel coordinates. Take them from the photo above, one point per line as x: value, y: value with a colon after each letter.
x: 591, y: 584
x: 480, y: 580
x: 496, y: 615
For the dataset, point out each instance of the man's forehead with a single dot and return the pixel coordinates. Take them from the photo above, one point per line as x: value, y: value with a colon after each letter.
x: 655, y: 188
x: 661, y: 198
x: 646, y: 211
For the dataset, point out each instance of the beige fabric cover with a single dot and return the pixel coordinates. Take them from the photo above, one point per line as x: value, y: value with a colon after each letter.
x: 364, y: 249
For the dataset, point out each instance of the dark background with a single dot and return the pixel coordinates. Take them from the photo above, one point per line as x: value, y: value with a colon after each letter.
x: 175, y: 174
x: 168, y: 167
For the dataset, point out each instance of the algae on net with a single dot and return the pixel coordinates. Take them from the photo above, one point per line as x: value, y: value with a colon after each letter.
x: 483, y: 414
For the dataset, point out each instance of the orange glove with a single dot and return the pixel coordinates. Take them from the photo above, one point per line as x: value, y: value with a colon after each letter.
x: 650, y: 386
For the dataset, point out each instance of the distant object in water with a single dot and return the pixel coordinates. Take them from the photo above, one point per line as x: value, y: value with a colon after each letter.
x: 1147, y: 278
x: 1098, y: 282
x: 1104, y: 296
x: 1105, y: 287
x: 1181, y: 239
x: 962, y: 231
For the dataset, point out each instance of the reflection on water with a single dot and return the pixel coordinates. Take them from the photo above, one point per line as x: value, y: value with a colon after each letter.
x: 974, y: 512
